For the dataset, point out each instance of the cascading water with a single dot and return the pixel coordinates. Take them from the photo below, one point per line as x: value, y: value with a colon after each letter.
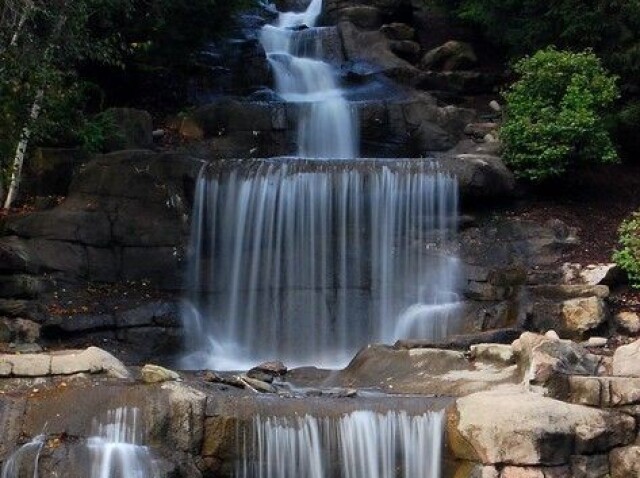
x: 24, y: 462
x: 115, y: 447
x: 307, y: 261
x: 361, y: 444
x: 327, y: 125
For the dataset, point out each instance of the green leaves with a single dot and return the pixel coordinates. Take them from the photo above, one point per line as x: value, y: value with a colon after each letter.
x: 627, y: 256
x: 555, y: 114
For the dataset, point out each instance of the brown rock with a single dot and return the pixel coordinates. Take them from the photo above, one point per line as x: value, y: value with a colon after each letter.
x: 625, y: 462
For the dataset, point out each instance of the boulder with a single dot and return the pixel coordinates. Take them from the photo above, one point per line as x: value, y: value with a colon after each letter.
x: 362, y: 16
x: 627, y: 322
x: 482, y: 175
x: 604, y: 391
x: 596, y: 466
x: 535, y: 472
x: 398, y: 31
x: 405, y: 49
x: 548, y: 363
x: 582, y: 315
x: 453, y: 55
x: 156, y: 374
x: 425, y: 371
x: 626, y: 360
x: 625, y: 462
x: 499, y: 353
x: 592, y: 274
x: 373, y: 47
x: 133, y: 129
x: 513, y: 427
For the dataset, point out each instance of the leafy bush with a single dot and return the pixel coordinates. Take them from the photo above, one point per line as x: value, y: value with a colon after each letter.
x: 628, y: 255
x: 555, y: 116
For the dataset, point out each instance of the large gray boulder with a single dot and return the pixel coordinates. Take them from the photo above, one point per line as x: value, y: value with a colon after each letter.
x: 513, y: 427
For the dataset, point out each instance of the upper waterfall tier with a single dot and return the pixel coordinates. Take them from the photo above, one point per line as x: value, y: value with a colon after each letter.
x: 327, y: 125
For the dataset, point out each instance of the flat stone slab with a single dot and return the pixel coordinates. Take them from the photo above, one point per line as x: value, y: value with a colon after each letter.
x: 91, y: 360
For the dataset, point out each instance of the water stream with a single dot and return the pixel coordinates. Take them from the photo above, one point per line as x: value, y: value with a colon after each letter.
x: 362, y: 444
x: 115, y: 447
x: 309, y: 261
x: 327, y: 125
x: 24, y: 462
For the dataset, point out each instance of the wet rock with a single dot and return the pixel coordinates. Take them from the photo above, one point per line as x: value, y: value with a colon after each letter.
x: 106, y: 362
x: 478, y: 131
x: 134, y: 129
x: 79, y: 323
x: 29, y: 365
x: 260, y: 375
x: 495, y: 106
x: 582, y: 315
x: 22, y: 286
x: 464, y: 342
x: 156, y: 374
x: 597, y: 342
x: 398, y: 31
x: 604, y: 391
x: 596, y: 466
x: 19, y: 331
x: 258, y: 385
x: 626, y: 360
x: 513, y: 427
x: 627, y: 322
x: 549, y: 363
x: 625, y: 462
x: 482, y: 175
x: 428, y: 371
x: 499, y: 353
x: 373, y: 47
x: 152, y: 313
x: 593, y: 274
x: 535, y: 472
x: 405, y: 49
x: 362, y: 16
x: 453, y: 55
x: 275, y: 368
x: 458, y: 83
x: 568, y: 292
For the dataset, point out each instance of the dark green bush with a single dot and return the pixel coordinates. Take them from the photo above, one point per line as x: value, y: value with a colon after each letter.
x: 627, y: 256
x: 555, y: 114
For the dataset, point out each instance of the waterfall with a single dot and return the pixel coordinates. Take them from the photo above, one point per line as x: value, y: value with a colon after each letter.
x: 115, y: 447
x: 327, y: 125
x: 308, y: 261
x: 24, y: 461
x: 362, y: 444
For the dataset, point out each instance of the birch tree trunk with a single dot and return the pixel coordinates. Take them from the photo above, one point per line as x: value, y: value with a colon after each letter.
x: 21, y: 150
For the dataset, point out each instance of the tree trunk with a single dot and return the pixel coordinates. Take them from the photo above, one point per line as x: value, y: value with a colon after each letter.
x: 21, y: 150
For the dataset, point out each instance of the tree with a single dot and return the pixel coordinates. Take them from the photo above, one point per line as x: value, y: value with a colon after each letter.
x: 45, y: 43
x: 555, y: 114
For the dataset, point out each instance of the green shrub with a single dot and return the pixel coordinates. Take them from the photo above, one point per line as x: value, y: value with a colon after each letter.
x: 628, y: 254
x: 555, y: 115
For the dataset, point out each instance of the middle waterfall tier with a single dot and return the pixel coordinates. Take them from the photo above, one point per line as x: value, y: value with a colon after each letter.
x: 308, y: 261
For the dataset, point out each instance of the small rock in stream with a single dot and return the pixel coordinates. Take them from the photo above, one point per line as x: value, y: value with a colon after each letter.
x: 156, y: 374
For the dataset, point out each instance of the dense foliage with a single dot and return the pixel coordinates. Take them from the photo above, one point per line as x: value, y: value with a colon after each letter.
x: 611, y: 28
x: 628, y: 254
x: 555, y: 114
x: 47, y: 46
